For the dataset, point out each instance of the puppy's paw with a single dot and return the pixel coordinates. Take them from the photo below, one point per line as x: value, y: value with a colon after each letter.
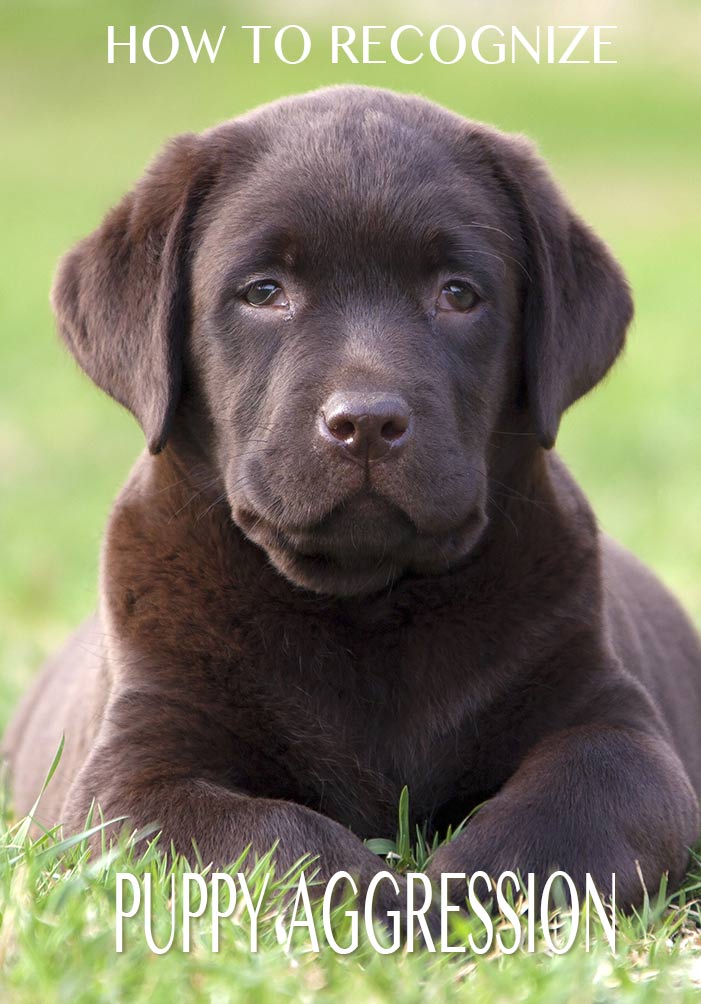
x: 534, y: 856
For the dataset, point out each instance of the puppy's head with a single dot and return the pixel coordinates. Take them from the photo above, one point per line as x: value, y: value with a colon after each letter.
x: 359, y: 290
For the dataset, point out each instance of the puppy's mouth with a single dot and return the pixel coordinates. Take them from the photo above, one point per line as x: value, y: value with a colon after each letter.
x: 363, y: 545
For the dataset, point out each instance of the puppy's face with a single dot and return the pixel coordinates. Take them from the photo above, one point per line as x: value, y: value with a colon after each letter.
x: 353, y: 329
x: 355, y: 282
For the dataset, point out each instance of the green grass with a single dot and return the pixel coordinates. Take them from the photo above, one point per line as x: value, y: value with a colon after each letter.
x: 58, y: 939
x: 76, y: 133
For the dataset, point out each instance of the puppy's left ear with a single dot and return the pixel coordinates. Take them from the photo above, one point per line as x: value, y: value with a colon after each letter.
x: 121, y: 296
x: 577, y: 303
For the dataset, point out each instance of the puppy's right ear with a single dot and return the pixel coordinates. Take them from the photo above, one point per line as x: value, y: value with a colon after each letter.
x: 577, y: 304
x: 121, y: 296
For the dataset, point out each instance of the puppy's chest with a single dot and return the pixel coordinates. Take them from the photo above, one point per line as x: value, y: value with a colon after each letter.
x: 343, y: 727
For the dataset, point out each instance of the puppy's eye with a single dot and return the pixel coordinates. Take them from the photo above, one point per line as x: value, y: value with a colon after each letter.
x: 266, y: 293
x: 457, y: 295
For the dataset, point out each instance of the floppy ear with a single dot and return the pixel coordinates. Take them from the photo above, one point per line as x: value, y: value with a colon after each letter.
x: 121, y: 295
x: 577, y: 302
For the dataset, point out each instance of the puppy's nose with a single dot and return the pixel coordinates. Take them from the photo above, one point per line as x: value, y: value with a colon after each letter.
x: 367, y: 425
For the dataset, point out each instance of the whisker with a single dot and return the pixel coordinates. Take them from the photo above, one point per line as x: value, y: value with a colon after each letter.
x: 486, y: 226
x: 218, y: 499
x: 500, y: 258
x: 503, y: 512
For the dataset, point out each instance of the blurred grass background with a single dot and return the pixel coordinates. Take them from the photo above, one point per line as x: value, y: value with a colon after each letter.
x: 624, y: 141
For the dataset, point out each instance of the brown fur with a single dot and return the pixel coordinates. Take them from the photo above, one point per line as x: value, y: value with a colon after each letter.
x: 285, y: 638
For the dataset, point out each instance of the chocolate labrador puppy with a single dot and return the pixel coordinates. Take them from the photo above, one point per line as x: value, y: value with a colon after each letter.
x: 349, y: 324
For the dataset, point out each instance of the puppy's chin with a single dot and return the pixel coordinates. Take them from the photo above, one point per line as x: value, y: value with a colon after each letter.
x: 351, y: 571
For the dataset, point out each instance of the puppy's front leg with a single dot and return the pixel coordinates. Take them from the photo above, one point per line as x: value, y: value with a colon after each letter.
x: 161, y: 761
x: 597, y: 800
x: 221, y: 822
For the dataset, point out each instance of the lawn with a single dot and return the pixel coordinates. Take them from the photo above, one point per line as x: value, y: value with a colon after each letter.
x: 623, y: 141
